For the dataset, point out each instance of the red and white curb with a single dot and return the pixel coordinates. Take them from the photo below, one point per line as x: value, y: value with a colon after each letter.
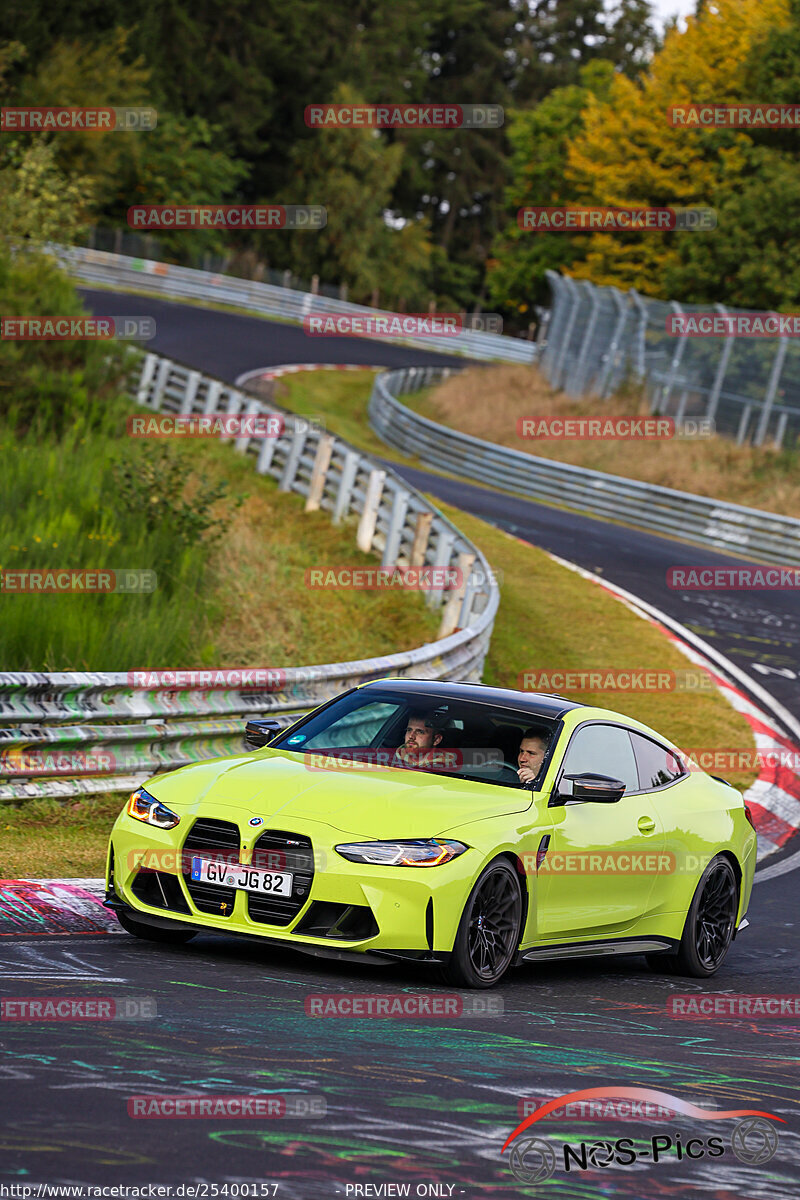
x: 293, y: 368
x: 54, y: 907
x: 774, y: 798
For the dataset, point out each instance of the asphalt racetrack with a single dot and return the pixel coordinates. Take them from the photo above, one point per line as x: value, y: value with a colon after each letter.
x: 423, y: 1104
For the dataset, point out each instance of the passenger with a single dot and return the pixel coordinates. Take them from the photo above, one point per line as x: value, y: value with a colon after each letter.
x: 532, y: 750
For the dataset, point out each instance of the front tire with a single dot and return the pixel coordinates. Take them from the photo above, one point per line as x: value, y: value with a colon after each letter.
x: 153, y: 933
x: 489, y: 931
x: 709, y: 927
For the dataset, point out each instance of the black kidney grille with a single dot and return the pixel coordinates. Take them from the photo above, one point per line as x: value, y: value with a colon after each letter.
x: 278, y: 850
x: 205, y: 837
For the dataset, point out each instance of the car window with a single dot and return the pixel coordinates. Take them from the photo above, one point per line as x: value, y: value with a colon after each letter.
x: 603, y: 750
x: 657, y: 765
x: 356, y: 728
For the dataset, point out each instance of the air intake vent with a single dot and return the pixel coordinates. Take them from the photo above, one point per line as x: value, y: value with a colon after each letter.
x: 277, y: 850
x: 207, y: 837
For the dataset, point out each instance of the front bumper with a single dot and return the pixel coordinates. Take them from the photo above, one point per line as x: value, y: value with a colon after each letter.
x: 350, y: 909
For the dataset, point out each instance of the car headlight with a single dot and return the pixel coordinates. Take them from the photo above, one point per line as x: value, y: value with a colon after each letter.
x: 421, y: 852
x: 145, y: 807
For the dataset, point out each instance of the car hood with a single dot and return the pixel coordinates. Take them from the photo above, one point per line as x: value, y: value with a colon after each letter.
x: 386, y: 802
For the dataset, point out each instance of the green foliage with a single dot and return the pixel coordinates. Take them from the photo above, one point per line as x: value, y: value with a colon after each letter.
x: 159, y: 488
x: 540, y: 140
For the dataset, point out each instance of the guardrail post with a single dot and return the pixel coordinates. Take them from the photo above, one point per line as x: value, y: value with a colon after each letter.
x: 560, y: 367
x: 639, y: 335
x: 744, y: 421
x: 673, y: 366
x: 369, y: 517
x: 319, y: 472
x: 235, y: 402
x: 444, y: 552
x: 162, y: 376
x: 455, y: 600
x: 212, y: 397
x: 772, y: 390
x: 149, y: 367
x: 421, y: 534
x: 397, y: 520
x: 348, y: 478
x: 575, y: 383
x: 189, y: 395
x: 266, y: 455
x: 722, y: 367
x: 604, y: 378
x: 293, y: 459
x: 243, y: 441
x: 780, y: 431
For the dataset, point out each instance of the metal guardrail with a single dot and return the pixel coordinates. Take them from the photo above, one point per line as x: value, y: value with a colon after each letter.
x: 130, y: 732
x: 732, y: 527
x: 599, y: 336
x: 98, y: 266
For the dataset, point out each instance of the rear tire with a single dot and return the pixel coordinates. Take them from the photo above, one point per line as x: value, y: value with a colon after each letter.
x: 709, y: 928
x: 489, y: 931
x: 153, y: 933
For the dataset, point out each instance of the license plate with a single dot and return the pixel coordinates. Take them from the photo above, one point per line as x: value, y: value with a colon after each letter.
x: 248, y: 879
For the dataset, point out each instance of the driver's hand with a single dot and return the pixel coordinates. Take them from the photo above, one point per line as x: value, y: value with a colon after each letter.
x: 527, y: 774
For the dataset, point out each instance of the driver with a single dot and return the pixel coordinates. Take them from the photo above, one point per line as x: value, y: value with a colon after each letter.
x: 532, y: 750
x: 421, y: 736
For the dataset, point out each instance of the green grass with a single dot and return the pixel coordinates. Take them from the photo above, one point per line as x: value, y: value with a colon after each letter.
x: 241, y: 600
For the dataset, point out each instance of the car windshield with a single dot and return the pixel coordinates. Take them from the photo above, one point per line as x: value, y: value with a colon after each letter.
x: 462, y: 739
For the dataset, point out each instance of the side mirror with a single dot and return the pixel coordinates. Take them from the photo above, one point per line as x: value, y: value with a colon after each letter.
x: 258, y: 733
x: 590, y: 788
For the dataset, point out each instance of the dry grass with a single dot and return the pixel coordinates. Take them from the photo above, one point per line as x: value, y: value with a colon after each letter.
x: 487, y: 401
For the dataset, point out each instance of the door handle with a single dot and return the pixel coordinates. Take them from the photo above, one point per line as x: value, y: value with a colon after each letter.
x: 646, y: 824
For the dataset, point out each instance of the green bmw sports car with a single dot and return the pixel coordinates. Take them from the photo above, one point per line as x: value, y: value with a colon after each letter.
x: 449, y: 823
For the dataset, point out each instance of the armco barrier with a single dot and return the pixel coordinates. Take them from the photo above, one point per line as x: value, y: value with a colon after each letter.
x: 52, y: 720
x: 732, y: 527
x: 183, y: 283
